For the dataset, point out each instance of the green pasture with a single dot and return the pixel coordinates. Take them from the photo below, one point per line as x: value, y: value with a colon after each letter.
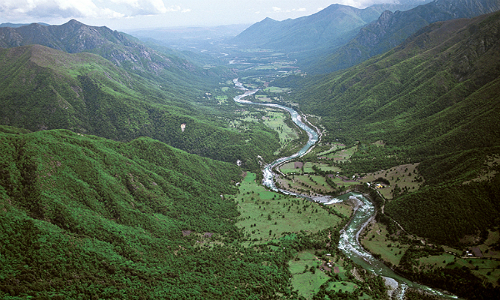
x: 275, y: 119
x: 481, y: 267
x: 289, y: 167
x: 304, y: 281
x: 263, y: 98
x: 308, y: 284
x: 405, y: 176
x: 305, y: 183
x: 274, y: 89
x: 333, y: 148
x: 314, y: 182
x: 339, y: 181
x: 267, y: 215
x: 344, y: 286
x: 328, y: 168
x: 303, y: 259
x: 307, y: 276
x: 342, y: 208
x: 437, y: 261
x: 375, y: 240
x: 308, y: 167
x: 342, y: 155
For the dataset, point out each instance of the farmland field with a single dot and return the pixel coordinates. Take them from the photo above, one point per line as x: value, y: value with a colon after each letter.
x: 267, y: 215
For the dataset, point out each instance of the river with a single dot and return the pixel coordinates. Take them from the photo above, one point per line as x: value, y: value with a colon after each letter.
x: 349, y: 239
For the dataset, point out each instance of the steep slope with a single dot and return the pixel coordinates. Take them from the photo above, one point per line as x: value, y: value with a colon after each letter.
x: 176, y: 73
x: 434, y: 99
x: 75, y: 37
x: 43, y: 88
x: 392, y: 28
x: 82, y: 216
x: 328, y: 28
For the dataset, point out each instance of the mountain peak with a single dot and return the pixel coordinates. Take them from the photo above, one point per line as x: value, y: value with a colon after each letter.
x: 267, y: 19
x: 73, y: 24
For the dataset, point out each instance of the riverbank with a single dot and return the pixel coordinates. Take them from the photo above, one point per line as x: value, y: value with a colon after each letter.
x: 364, y: 210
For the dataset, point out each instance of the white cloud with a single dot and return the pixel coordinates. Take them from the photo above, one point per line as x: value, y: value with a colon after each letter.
x: 18, y: 9
x: 143, y: 7
x: 290, y: 10
x: 55, y: 8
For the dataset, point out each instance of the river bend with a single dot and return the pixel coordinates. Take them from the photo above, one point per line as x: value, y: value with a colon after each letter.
x: 349, y: 239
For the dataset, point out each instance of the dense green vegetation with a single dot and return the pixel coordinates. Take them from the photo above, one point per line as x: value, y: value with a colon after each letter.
x: 393, y: 28
x: 86, y: 217
x: 106, y: 215
x: 95, y: 201
x: 433, y: 100
x: 48, y: 89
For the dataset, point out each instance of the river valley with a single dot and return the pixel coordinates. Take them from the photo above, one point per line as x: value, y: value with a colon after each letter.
x: 365, y: 212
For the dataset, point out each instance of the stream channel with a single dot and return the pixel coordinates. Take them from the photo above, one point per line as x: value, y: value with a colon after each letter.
x: 349, y: 239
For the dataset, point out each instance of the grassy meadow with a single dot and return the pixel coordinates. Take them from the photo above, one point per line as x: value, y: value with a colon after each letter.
x: 375, y: 239
x: 266, y: 215
x: 269, y: 218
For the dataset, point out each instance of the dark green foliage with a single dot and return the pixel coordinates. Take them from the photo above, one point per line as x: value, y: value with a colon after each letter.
x: 82, y: 216
x: 459, y: 281
x: 391, y: 29
x: 49, y: 89
x: 447, y: 213
x: 433, y: 100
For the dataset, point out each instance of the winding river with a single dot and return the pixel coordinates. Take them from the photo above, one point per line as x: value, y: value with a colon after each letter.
x: 349, y: 239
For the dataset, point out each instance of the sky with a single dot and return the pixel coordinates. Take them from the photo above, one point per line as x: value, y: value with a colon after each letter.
x: 142, y: 14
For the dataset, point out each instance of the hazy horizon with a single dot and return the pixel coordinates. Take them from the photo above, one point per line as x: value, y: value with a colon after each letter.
x: 143, y: 14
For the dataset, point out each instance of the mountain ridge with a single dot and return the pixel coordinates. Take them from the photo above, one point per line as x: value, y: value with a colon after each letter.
x: 392, y: 28
x: 45, y: 88
x: 433, y: 100
x: 119, y: 48
x: 326, y: 29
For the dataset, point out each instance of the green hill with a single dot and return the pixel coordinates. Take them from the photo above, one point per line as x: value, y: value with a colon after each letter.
x: 82, y: 215
x: 310, y: 37
x: 119, y: 48
x: 392, y: 28
x: 434, y: 100
x: 44, y: 88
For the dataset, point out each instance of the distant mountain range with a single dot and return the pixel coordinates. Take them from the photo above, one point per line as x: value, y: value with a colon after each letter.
x: 434, y: 99
x: 98, y: 81
x: 392, y: 28
x: 341, y: 36
x: 331, y: 27
x: 15, y: 25
x: 74, y: 37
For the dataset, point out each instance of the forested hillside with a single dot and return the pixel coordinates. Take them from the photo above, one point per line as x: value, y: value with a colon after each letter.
x: 310, y: 37
x: 82, y: 215
x: 126, y: 172
x: 45, y: 88
x: 434, y: 100
x: 392, y: 28
x: 119, y: 48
